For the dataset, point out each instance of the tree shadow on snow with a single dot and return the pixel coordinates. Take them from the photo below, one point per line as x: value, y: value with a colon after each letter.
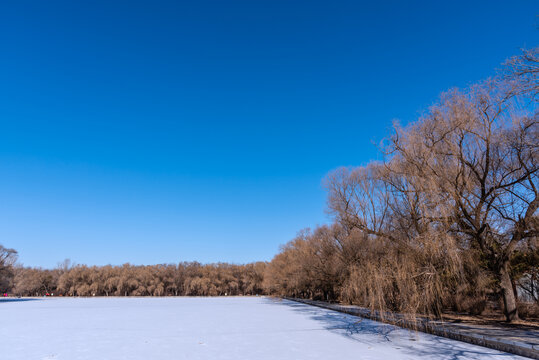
x: 376, y: 334
x: 8, y: 300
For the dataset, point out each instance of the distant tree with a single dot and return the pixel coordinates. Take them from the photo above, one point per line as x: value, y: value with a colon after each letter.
x: 7, y: 260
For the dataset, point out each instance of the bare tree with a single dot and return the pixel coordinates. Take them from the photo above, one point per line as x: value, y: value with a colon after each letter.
x: 479, y: 152
x: 7, y: 260
x: 464, y: 176
x: 524, y: 70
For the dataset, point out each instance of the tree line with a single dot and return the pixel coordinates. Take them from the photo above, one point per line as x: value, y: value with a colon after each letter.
x: 448, y: 220
x: 183, y: 279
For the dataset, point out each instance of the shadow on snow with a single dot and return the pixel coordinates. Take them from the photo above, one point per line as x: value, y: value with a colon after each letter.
x: 8, y: 300
x: 377, y: 334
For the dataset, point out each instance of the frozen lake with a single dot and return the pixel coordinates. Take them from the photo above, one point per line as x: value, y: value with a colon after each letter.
x: 208, y: 328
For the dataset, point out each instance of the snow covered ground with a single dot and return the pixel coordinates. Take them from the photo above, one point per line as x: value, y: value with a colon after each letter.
x: 207, y: 328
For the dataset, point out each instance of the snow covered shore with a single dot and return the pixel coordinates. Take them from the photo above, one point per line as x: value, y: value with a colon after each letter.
x: 208, y: 328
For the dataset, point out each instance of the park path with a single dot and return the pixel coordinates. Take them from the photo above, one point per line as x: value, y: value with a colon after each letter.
x: 517, y: 339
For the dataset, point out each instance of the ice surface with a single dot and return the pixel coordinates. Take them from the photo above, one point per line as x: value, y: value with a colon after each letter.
x: 208, y: 328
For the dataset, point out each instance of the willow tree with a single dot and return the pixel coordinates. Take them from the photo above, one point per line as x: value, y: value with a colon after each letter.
x: 465, y: 174
x: 478, y: 150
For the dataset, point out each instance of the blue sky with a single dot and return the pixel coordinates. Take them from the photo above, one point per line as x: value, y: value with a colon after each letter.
x: 157, y: 132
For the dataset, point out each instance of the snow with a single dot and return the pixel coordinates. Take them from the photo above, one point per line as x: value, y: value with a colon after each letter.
x: 208, y: 328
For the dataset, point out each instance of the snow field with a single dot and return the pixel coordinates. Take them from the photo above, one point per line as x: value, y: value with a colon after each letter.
x: 208, y: 328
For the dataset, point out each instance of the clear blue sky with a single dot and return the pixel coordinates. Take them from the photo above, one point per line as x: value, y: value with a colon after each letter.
x: 156, y: 132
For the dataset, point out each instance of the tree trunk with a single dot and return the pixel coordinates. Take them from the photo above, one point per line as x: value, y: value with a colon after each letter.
x: 509, y: 300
